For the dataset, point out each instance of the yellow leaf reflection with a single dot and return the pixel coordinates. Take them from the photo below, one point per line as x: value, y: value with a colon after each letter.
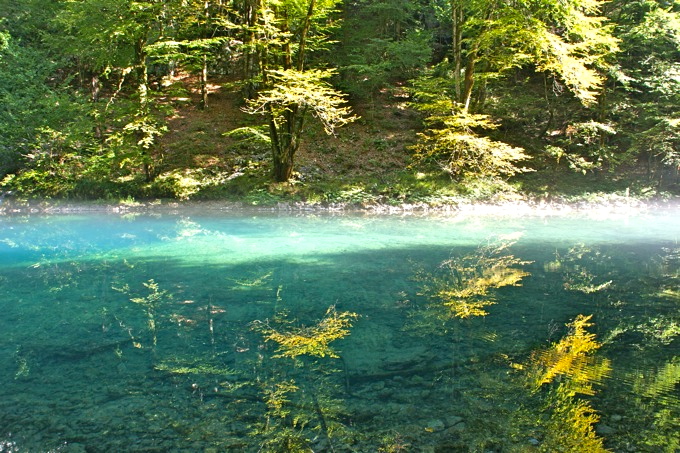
x: 309, y: 340
x: 572, y: 357
x: 466, y: 284
x: 567, y: 421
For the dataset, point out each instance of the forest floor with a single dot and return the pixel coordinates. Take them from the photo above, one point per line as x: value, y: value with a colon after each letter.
x: 367, y: 165
x: 368, y: 154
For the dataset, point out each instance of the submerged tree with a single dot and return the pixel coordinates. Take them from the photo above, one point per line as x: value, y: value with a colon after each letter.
x: 297, y: 405
x: 310, y: 340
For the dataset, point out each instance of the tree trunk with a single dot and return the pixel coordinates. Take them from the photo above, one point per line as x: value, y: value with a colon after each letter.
x: 141, y: 71
x: 251, y: 62
x: 285, y: 138
x: 204, y: 69
x: 142, y: 75
x: 469, y: 80
x: 283, y: 151
x: 283, y: 166
x: 303, y: 35
x: 204, y: 83
x: 457, y: 45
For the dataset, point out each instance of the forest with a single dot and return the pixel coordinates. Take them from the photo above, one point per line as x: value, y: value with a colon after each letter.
x: 361, y: 101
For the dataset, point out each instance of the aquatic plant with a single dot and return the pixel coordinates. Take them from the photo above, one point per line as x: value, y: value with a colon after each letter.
x: 393, y: 442
x: 582, y: 269
x: 282, y: 430
x: 255, y: 282
x: 23, y: 369
x: 150, y: 302
x: 302, y: 414
x: 301, y: 409
x: 570, y: 424
x: 184, y: 367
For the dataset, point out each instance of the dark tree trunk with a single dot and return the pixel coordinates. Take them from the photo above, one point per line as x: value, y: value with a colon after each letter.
x: 251, y: 60
x: 303, y: 35
x: 285, y: 143
x: 457, y: 46
x: 283, y: 167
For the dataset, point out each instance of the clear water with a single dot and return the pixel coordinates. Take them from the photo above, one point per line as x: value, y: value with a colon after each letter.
x: 85, y: 368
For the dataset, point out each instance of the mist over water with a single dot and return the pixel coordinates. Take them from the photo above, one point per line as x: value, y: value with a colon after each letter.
x: 140, y: 331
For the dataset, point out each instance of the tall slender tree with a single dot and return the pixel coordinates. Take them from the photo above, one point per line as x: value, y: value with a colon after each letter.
x: 563, y: 38
x: 288, y: 31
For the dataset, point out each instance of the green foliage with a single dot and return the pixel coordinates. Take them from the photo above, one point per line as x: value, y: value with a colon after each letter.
x: 460, y: 152
x: 662, y: 141
x: 85, y: 80
x: 572, y: 358
x: 304, y: 92
x: 660, y: 383
x: 294, y: 95
x: 650, y: 34
x: 570, y: 426
x: 452, y: 142
x: 384, y: 44
x: 133, y: 142
x: 30, y: 105
x: 182, y: 367
x: 584, y: 147
x: 581, y: 270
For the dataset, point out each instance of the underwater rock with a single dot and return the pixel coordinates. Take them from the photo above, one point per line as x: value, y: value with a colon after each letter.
x: 452, y: 420
x: 455, y: 430
x: 435, y: 425
x: 418, y: 380
x: 378, y: 386
x: 604, y: 430
x: 385, y: 394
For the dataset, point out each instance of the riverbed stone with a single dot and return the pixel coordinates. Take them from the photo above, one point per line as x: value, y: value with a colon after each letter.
x: 452, y: 420
x: 435, y: 425
x: 455, y: 430
x: 604, y: 430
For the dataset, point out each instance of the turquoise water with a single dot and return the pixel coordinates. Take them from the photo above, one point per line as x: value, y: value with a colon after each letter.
x: 149, y: 332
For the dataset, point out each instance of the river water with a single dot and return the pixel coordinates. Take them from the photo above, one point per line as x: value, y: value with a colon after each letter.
x: 251, y: 331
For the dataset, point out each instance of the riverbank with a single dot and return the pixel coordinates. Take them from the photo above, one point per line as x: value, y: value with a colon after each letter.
x: 597, y: 205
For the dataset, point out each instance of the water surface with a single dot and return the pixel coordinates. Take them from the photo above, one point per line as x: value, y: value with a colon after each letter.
x: 153, y: 332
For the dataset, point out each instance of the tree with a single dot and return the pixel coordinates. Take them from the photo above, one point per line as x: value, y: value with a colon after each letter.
x: 648, y: 82
x: 111, y: 39
x: 382, y: 42
x: 287, y: 32
x: 489, y: 38
x: 294, y: 95
x: 452, y: 143
x: 199, y: 32
x: 565, y: 38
